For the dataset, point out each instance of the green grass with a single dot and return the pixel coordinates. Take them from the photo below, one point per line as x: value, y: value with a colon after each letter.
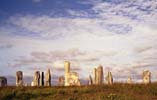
x: 103, y: 92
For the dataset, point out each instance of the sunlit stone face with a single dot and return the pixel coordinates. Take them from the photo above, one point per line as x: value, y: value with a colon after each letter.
x: 146, y: 77
x: 71, y: 78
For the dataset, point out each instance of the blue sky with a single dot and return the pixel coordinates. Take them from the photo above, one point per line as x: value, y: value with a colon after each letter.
x: 120, y: 35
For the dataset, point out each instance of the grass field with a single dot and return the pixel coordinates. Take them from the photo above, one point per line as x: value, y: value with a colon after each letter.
x: 103, y: 92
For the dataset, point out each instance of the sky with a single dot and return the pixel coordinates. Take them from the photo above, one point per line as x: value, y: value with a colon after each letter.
x: 120, y: 35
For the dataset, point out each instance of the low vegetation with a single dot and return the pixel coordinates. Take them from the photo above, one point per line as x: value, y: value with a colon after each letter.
x: 103, y: 92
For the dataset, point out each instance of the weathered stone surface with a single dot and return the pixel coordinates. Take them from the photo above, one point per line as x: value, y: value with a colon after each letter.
x: 90, y: 81
x: 3, y: 81
x: 19, y: 78
x: 146, y: 77
x: 98, y: 75
x: 109, y: 78
x: 67, y: 71
x: 67, y: 67
x: 71, y: 78
x: 61, y: 81
x: 129, y: 80
x: 95, y: 75
x: 48, y: 78
x: 42, y: 79
x: 36, y: 80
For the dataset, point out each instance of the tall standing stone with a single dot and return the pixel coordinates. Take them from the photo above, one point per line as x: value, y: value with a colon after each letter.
x: 90, y: 82
x: 67, y: 72
x: 109, y: 78
x: 146, y: 77
x: 48, y: 78
x: 36, y: 80
x: 3, y: 81
x: 98, y: 75
x: 95, y: 75
x: 42, y: 79
x: 19, y: 78
x: 71, y: 78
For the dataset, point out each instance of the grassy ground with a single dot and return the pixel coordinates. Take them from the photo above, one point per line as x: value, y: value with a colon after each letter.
x: 104, y: 92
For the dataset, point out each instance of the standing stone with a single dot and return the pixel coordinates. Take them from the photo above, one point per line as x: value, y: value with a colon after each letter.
x: 90, y: 82
x: 98, y: 73
x: 146, y: 77
x: 3, y: 81
x: 129, y: 80
x: 48, y: 78
x: 36, y: 80
x: 95, y: 75
x: 61, y: 81
x: 19, y: 78
x: 109, y: 78
x: 42, y: 79
x: 100, y: 77
x: 67, y: 72
x: 71, y: 78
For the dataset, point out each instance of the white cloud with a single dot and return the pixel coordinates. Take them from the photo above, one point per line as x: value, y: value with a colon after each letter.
x: 37, y: 1
x: 79, y: 13
x: 93, y: 36
x: 46, y: 26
